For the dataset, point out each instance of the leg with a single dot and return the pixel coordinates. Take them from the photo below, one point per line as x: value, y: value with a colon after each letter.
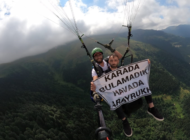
x: 121, y: 115
x: 152, y: 110
x: 149, y: 101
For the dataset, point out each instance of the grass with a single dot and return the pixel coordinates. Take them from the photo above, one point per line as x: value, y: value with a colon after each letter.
x: 183, y: 92
x: 166, y: 98
x: 177, y: 106
x: 178, y: 110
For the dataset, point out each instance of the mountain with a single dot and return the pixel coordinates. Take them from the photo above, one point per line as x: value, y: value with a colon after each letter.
x: 47, y: 96
x: 177, y: 46
x: 180, y: 30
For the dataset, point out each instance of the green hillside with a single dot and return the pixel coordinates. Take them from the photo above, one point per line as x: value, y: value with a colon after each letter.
x: 46, y: 97
x: 175, y: 45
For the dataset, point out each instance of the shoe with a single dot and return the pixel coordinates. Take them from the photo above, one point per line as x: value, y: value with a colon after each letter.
x: 154, y: 112
x: 127, y: 129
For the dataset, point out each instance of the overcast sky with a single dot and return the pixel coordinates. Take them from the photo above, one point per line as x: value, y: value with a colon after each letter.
x: 29, y: 27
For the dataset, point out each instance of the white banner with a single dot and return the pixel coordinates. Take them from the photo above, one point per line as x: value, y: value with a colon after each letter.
x: 125, y: 84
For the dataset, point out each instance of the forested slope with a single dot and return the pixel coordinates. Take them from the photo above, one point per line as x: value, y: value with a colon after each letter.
x: 177, y: 46
x: 47, y: 96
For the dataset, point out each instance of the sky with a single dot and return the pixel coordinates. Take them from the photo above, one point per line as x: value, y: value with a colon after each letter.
x: 30, y: 27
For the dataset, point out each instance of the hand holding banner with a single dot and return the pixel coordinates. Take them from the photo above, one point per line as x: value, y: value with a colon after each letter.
x: 125, y: 84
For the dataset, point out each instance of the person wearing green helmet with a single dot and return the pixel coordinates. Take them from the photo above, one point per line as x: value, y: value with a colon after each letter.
x: 101, y: 66
x: 97, y: 55
x: 95, y: 50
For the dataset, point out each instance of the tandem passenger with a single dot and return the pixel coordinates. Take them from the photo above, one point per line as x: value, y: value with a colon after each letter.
x: 113, y: 65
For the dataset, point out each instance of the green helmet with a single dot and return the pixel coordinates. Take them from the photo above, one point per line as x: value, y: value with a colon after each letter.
x: 95, y: 50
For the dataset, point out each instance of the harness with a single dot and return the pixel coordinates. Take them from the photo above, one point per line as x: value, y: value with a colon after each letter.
x: 99, y: 72
x: 99, y: 69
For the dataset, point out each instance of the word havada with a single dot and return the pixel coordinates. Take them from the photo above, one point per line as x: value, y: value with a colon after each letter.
x: 128, y: 88
x: 132, y: 96
x: 121, y: 72
x: 124, y: 80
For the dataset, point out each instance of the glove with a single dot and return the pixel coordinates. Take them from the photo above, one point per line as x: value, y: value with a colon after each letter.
x: 108, y: 46
x: 96, y: 97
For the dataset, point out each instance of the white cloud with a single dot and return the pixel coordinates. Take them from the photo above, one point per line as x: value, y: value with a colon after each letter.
x: 27, y: 31
x: 182, y: 3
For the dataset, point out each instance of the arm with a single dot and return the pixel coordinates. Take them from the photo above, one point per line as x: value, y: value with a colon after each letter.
x: 94, y: 95
x: 93, y: 87
x: 108, y: 46
x: 95, y: 77
x: 118, y: 54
